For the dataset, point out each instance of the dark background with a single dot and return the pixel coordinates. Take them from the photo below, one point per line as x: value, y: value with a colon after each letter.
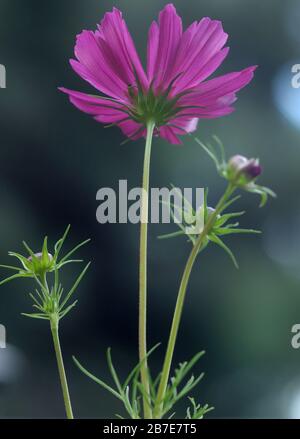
x: 53, y: 161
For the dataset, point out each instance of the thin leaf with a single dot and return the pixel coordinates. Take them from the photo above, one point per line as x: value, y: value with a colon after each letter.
x: 97, y: 380
x: 209, y: 152
x: 227, y: 216
x: 74, y: 250
x: 138, y: 366
x: 230, y: 202
x: 228, y: 231
x: 221, y: 146
x: 10, y: 267
x: 60, y: 242
x: 219, y: 242
x: 36, y: 316
x: 66, y: 310
x: 72, y: 290
x: 113, y: 371
x: 34, y: 258
x: 187, y: 366
x: 171, y: 235
x: 15, y: 276
x: 70, y: 261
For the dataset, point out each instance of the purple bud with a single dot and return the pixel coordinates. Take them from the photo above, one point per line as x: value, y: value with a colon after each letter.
x: 239, y: 166
x: 253, y: 169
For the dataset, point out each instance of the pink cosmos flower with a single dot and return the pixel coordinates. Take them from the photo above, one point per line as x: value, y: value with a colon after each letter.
x: 174, y: 91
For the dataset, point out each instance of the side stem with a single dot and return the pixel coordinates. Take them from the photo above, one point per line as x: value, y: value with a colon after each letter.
x: 143, y: 274
x: 61, y: 368
x: 180, y: 302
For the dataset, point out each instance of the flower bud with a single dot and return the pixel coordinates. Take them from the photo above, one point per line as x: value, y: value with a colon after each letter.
x: 241, y: 170
x: 39, y: 256
x: 41, y: 262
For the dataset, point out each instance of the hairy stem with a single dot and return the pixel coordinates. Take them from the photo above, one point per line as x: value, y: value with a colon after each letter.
x: 180, y: 302
x: 143, y: 274
x: 60, y: 364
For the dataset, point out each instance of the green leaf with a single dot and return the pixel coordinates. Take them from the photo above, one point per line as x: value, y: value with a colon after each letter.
x: 227, y: 216
x: 230, y: 202
x: 24, y: 261
x: 45, y: 254
x: 171, y: 235
x: 137, y: 367
x: 214, y: 238
x: 74, y: 250
x: 198, y: 411
x: 72, y: 290
x: 34, y: 258
x: 60, y: 242
x: 9, y: 267
x: 187, y: 366
x: 35, y: 316
x: 36, y: 301
x: 97, y: 380
x: 263, y: 191
x: 69, y: 261
x: 113, y: 371
x: 15, y: 276
x: 228, y: 231
x: 221, y: 146
x: 66, y: 310
x: 212, y: 155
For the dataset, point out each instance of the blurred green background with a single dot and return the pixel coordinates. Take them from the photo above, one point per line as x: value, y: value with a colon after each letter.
x: 53, y: 161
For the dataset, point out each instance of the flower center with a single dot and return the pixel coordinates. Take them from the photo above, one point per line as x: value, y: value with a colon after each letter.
x: 148, y: 106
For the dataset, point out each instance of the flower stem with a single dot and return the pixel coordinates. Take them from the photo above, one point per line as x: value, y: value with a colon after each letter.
x: 158, y: 410
x: 60, y: 363
x: 143, y: 274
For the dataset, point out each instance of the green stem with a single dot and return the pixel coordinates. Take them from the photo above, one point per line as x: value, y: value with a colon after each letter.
x: 60, y: 363
x: 180, y: 302
x: 143, y: 274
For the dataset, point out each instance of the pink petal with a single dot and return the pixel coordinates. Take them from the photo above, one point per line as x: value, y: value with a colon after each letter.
x: 162, y: 46
x: 119, y: 49
x: 178, y: 126
x: 93, y: 68
x: 132, y: 129
x: 104, y: 110
x: 168, y: 133
x: 107, y: 58
x: 153, y: 38
x: 208, y: 113
x: 184, y: 125
x: 213, y: 98
x: 199, y: 53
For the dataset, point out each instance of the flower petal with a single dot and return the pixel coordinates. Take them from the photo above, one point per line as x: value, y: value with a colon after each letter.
x: 153, y: 39
x: 176, y: 127
x: 184, y: 125
x: 162, y: 47
x: 199, y: 53
x: 107, y: 58
x: 119, y: 49
x: 104, y: 110
x: 132, y: 129
x: 93, y: 68
x: 214, y: 97
x: 168, y: 133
